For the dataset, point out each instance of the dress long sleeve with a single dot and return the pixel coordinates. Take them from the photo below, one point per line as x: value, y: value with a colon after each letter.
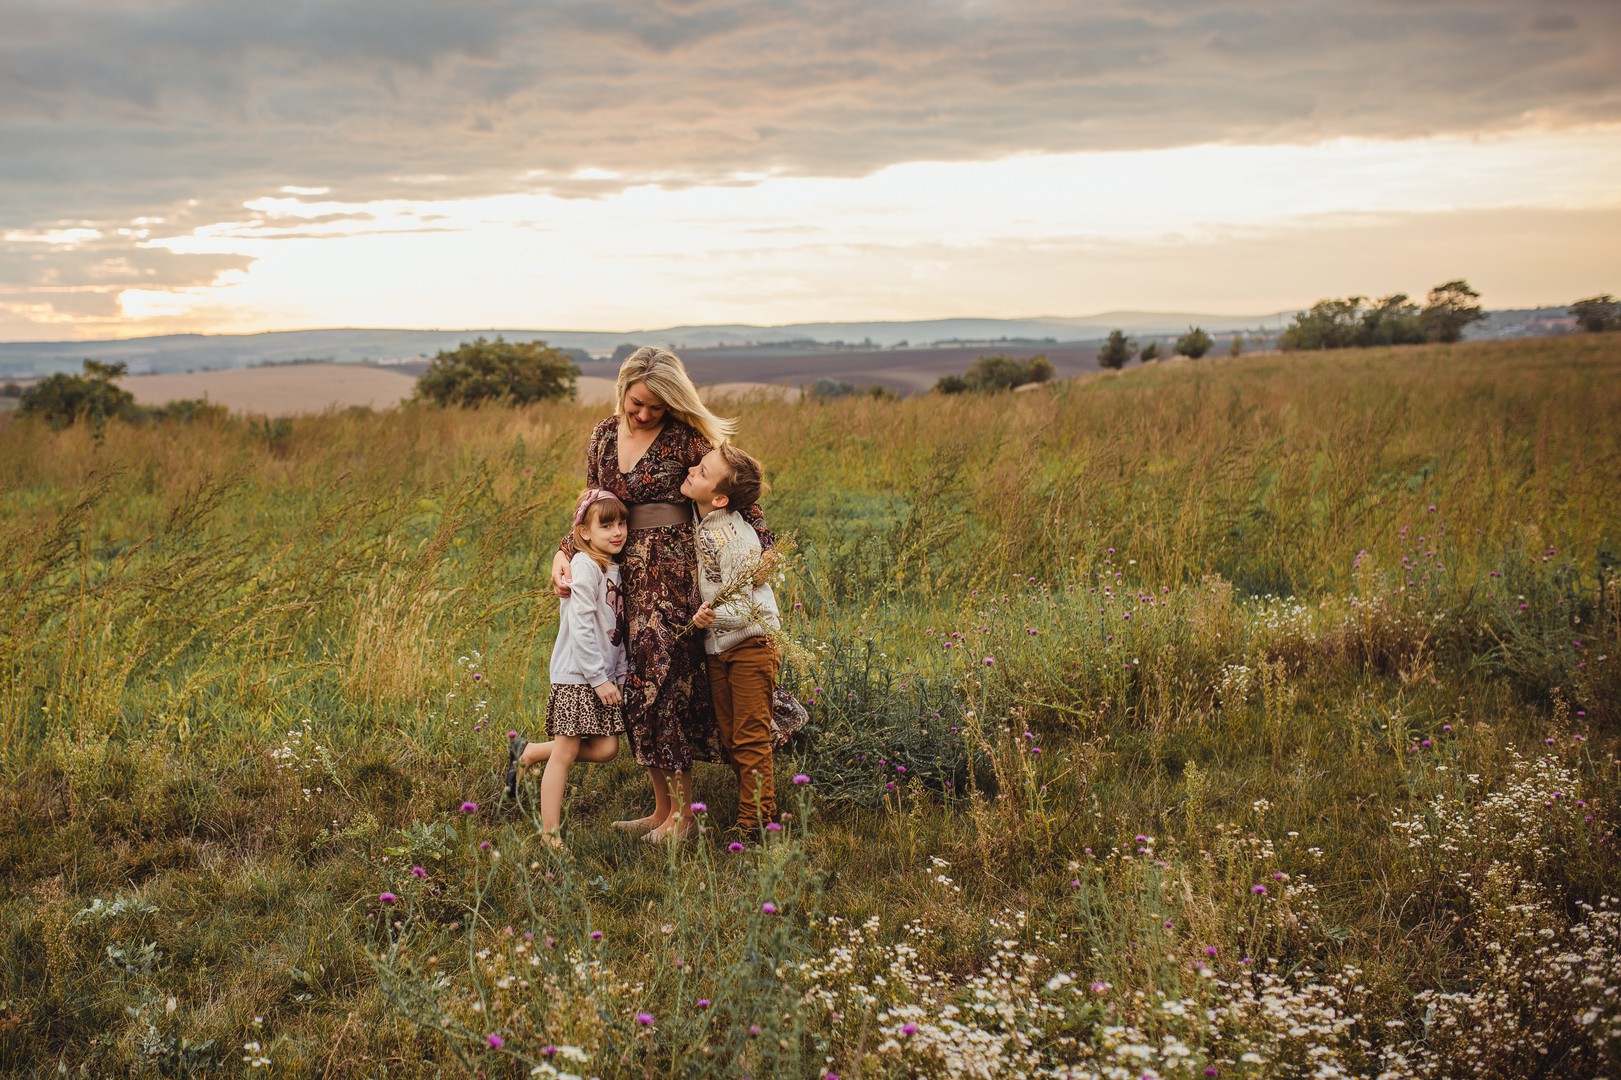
x: 593, y: 479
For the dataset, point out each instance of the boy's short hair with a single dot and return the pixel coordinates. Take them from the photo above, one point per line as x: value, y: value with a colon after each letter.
x: 744, y: 483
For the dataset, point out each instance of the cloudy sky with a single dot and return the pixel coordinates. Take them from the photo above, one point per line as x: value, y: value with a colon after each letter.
x: 226, y: 166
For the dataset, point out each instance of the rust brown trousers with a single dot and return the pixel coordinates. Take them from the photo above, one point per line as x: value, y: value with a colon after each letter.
x: 741, y: 680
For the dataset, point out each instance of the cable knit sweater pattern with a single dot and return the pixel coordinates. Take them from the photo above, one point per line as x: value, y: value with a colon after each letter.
x: 729, y: 551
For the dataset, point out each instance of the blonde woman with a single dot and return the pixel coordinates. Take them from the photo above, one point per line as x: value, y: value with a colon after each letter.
x: 659, y: 430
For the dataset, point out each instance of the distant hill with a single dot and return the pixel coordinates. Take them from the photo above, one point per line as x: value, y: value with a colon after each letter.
x: 175, y: 353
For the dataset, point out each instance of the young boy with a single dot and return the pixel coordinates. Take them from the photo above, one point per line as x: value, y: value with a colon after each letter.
x: 737, y: 615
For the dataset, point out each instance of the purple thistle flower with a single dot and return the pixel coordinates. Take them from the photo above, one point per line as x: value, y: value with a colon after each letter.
x: 703, y: 1003
x: 768, y: 908
x: 754, y: 1029
x: 734, y: 847
x: 1258, y: 890
x: 644, y: 1019
x: 469, y: 807
x: 908, y: 1029
x: 1100, y: 988
x: 801, y: 779
x: 596, y: 935
x: 990, y: 661
x: 699, y: 808
x: 495, y: 1041
x: 772, y: 826
x: 386, y: 898
x: 1210, y: 950
x: 419, y: 872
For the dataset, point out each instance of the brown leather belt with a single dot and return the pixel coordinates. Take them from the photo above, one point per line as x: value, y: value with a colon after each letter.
x: 657, y: 515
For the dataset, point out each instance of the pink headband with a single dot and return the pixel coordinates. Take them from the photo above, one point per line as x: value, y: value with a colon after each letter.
x: 592, y: 495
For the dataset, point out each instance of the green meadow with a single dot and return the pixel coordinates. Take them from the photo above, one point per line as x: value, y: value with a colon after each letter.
x: 1240, y: 718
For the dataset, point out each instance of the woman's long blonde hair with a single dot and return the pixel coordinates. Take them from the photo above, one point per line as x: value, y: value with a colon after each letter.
x: 666, y: 377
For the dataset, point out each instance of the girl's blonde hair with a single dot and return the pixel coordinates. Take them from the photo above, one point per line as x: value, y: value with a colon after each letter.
x: 666, y: 377
x: 604, y: 509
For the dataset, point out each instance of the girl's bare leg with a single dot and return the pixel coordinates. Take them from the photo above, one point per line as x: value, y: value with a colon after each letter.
x: 554, y: 782
x: 598, y: 748
x: 536, y: 753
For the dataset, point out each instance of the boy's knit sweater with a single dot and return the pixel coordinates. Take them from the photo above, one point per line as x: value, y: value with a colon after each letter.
x: 728, y: 551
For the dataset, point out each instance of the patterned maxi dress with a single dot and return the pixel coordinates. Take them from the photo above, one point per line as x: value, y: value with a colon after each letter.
x: 669, y: 716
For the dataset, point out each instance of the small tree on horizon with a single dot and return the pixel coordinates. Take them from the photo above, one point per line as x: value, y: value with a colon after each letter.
x: 1597, y: 314
x: 515, y: 372
x: 1150, y: 352
x: 61, y: 400
x: 1451, y: 307
x: 1193, y: 344
x: 1237, y: 347
x: 1116, y: 351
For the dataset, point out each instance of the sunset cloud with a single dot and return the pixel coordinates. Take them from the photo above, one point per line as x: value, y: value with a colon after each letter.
x: 184, y: 112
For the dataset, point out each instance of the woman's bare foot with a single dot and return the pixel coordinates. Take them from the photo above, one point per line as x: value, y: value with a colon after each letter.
x: 551, y: 839
x: 672, y: 830
x: 639, y: 825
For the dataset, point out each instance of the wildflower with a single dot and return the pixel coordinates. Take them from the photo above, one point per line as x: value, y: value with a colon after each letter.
x: 768, y: 908
x: 908, y: 1029
x: 734, y: 847
x: 478, y: 676
x: 1446, y: 727
x: 417, y: 871
x: 900, y: 768
x: 1210, y: 950
x: 703, y: 1003
x: 596, y: 935
x: 1100, y: 988
x: 990, y: 661
x: 495, y: 1041
x: 772, y: 826
x: 386, y: 898
x: 754, y: 1029
x: 699, y: 808
x: 469, y: 807
x: 644, y: 1019
x: 484, y: 845
x: 1258, y: 890
x: 801, y: 779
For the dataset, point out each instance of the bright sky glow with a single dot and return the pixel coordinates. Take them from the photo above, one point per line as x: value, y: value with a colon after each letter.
x: 910, y: 241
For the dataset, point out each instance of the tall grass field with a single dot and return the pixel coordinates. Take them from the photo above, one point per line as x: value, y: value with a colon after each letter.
x: 1241, y: 718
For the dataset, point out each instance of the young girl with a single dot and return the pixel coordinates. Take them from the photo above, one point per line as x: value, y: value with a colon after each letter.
x: 583, y: 715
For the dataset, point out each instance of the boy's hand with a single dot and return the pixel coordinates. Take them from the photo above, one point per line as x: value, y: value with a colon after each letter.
x: 703, y: 617
x: 608, y: 693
